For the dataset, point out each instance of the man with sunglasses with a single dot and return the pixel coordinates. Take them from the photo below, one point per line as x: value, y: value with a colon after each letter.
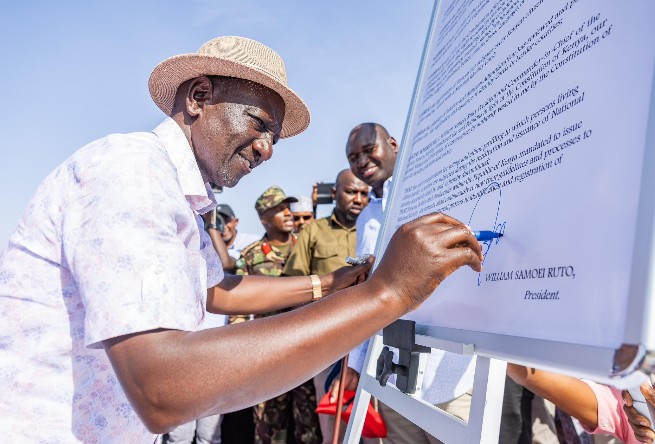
x: 303, y: 212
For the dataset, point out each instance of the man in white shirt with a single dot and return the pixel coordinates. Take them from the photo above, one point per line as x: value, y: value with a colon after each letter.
x: 371, y: 153
x: 110, y: 272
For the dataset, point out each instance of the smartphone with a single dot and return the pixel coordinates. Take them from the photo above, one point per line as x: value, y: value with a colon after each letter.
x: 325, y: 193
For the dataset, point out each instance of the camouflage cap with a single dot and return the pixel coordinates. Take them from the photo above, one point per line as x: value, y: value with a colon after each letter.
x: 270, y: 198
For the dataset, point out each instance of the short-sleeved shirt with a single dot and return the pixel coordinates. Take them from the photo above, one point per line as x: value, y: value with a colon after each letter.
x: 111, y: 244
x: 322, y: 247
x: 612, y: 419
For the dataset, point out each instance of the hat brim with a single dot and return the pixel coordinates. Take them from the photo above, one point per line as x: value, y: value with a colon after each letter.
x: 171, y: 73
x: 289, y: 199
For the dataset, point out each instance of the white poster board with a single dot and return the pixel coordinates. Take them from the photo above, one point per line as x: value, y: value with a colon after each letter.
x: 535, y: 118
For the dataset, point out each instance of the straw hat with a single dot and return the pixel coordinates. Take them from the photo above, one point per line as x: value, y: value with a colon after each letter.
x: 232, y: 57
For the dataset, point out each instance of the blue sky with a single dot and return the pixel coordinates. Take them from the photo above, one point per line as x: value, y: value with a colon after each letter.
x: 75, y: 71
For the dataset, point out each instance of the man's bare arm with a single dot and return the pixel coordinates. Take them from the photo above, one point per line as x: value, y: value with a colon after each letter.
x: 262, y: 294
x: 174, y: 376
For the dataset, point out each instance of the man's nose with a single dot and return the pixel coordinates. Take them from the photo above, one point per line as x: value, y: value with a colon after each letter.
x: 358, y: 198
x: 263, y: 148
x: 362, y: 160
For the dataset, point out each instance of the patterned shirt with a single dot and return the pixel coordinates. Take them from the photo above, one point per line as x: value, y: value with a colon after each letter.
x: 111, y: 244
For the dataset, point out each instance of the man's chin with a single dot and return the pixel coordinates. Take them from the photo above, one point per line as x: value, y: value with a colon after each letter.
x: 352, y: 217
x: 373, y: 179
x: 229, y: 181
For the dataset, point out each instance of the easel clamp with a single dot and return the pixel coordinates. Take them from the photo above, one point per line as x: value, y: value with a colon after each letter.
x: 401, y: 334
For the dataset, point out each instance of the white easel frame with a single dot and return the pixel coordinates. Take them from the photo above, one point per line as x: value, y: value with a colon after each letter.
x: 596, y: 363
x: 486, y: 404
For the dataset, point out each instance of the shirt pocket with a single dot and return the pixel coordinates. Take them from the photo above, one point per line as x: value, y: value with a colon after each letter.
x: 325, y: 251
x: 328, y: 257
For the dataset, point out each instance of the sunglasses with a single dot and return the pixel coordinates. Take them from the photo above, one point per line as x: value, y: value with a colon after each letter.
x: 299, y: 217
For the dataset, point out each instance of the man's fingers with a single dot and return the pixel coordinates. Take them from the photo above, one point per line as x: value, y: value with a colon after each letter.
x: 465, y: 256
x: 635, y: 418
x: 643, y: 433
x: 627, y: 398
x: 362, y: 272
x: 436, y: 218
x: 460, y: 237
x: 334, y: 391
x: 649, y: 393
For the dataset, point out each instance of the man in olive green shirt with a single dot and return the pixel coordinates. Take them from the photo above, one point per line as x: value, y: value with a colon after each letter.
x: 323, y: 246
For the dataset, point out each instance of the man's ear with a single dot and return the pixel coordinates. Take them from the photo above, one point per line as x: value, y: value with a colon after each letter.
x: 333, y: 192
x: 394, y: 144
x: 200, y: 91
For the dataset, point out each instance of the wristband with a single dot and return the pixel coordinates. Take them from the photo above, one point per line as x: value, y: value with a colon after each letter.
x: 213, y: 226
x: 317, y: 291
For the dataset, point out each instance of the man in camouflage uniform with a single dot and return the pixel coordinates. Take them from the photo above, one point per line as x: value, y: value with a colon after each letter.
x: 267, y: 257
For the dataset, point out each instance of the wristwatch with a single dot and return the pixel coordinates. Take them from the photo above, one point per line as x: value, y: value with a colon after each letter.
x: 317, y: 291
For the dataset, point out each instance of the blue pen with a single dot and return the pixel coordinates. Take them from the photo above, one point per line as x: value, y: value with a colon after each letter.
x: 486, y: 235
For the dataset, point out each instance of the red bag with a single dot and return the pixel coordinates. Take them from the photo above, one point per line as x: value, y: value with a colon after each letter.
x: 374, y: 426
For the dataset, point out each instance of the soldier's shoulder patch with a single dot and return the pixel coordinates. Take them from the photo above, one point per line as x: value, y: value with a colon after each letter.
x: 250, y: 248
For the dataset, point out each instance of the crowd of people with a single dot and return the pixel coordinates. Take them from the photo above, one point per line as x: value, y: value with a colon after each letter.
x: 295, y: 244
x: 124, y: 324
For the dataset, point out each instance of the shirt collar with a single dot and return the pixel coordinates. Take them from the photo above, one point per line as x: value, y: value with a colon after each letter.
x: 372, y: 197
x: 335, y: 221
x: 197, y: 193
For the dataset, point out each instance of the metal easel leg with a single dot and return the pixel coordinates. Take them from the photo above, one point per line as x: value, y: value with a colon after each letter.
x: 487, y: 402
x: 362, y: 398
